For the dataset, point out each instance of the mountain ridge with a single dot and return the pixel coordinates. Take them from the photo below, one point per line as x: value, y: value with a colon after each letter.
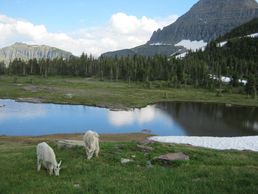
x: 246, y: 29
x: 206, y: 20
x: 27, y: 52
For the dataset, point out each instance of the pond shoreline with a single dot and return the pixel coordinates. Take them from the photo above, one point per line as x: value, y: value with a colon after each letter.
x: 242, y: 144
x: 120, y: 108
x: 106, y: 94
x: 77, y: 136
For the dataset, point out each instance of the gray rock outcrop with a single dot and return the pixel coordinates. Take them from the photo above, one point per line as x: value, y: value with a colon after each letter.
x: 206, y: 20
x: 26, y: 52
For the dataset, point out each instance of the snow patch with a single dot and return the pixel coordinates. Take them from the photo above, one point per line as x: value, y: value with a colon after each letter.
x: 180, y: 56
x: 255, y: 35
x: 221, y: 44
x: 192, y: 45
x: 225, y: 79
x: 242, y: 81
x: 218, y: 143
x: 159, y: 44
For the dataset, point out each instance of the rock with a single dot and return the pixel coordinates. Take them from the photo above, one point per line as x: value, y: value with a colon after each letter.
x: 77, y: 186
x: 69, y: 95
x: 149, y: 165
x: 125, y: 160
x: 69, y: 143
x: 145, y: 148
x: 146, y: 131
x: 133, y: 156
x: 173, y: 157
x: 207, y: 20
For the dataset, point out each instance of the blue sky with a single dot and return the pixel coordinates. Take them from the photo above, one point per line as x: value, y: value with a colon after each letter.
x: 92, y: 27
x: 68, y: 15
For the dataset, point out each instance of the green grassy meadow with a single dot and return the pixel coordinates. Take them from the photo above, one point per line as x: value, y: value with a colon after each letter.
x: 207, y: 171
x: 108, y: 94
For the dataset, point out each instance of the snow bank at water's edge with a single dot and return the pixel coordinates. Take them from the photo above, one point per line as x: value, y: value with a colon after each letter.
x: 218, y: 143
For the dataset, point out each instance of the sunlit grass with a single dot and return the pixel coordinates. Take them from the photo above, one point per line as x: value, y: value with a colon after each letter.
x: 208, y: 171
x: 106, y: 93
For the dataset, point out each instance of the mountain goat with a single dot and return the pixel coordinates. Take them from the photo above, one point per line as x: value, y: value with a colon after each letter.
x: 47, y: 158
x: 91, y: 141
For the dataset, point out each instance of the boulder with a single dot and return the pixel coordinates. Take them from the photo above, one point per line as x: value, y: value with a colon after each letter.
x: 125, y: 160
x: 173, y: 157
x: 146, y: 131
x: 145, y: 148
x: 69, y: 143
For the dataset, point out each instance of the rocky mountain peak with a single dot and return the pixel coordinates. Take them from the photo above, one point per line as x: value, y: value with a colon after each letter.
x: 207, y: 20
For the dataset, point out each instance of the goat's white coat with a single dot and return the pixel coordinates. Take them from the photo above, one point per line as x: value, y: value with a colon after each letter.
x: 91, y: 142
x: 46, y: 157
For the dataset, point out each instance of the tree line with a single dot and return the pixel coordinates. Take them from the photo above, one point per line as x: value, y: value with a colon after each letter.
x: 237, y: 60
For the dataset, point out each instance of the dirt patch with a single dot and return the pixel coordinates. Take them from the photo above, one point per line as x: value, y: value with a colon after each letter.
x: 31, y: 88
x: 32, y: 100
x: 103, y: 138
x: 35, y: 89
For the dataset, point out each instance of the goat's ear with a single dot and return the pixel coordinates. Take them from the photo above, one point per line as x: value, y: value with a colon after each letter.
x: 60, y: 163
x: 96, y: 135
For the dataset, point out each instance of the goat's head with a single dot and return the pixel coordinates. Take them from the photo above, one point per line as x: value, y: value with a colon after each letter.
x: 57, y: 168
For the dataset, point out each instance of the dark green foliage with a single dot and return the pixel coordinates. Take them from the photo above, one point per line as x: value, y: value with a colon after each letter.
x: 2, y: 68
x: 252, y: 86
x: 243, y: 30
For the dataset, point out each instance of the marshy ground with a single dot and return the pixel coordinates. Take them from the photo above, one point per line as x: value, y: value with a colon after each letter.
x: 117, y: 95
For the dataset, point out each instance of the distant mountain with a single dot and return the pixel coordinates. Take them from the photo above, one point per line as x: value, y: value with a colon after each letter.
x: 26, y: 52
x: 205, y: 21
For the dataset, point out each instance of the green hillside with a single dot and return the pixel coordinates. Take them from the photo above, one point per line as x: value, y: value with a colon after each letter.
x: 243, y: 30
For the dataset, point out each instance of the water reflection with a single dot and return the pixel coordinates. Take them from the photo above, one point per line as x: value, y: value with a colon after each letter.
x: 141, y: 116
x: 251, y: 124
x: 175, y: 119
x: 199, y: 119
x: 9, y: 110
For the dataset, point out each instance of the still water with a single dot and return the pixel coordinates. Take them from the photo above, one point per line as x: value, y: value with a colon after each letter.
x: 191, y: 119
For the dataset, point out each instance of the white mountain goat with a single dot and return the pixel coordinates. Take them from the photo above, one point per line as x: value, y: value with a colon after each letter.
x: 91, y: 141
x: 46, y: 157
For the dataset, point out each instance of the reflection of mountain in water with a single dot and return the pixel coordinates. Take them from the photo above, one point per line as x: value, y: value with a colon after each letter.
x: 201, y: 119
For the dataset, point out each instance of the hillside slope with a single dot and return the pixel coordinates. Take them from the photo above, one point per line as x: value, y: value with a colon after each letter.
x: 246, y: 29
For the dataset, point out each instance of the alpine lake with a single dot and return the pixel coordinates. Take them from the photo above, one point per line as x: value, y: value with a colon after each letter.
x: 167, y: 118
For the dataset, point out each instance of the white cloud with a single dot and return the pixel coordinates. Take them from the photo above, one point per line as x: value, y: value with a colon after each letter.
x: 125, y: 24
x: 121, y: 31
x: 121, y: 118
x: 22, y: 111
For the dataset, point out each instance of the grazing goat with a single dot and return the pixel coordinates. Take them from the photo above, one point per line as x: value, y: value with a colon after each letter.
x: 46, y: 157
x: 91, y: 141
